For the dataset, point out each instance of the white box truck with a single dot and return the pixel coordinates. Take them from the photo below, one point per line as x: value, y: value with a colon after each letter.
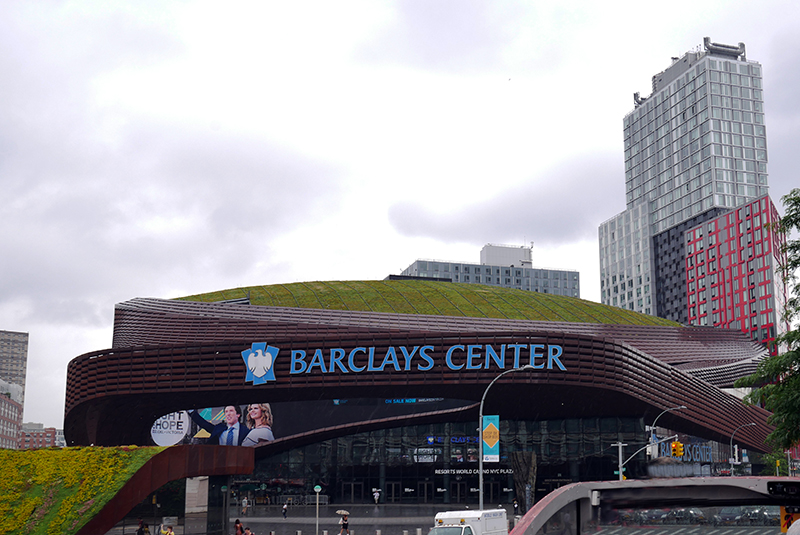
x: 490, y: 522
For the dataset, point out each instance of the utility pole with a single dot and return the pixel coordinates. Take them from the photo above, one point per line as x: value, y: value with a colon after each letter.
x: 620, y: 465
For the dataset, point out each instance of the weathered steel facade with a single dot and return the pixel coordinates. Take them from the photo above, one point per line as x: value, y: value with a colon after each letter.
x: 174, y: 355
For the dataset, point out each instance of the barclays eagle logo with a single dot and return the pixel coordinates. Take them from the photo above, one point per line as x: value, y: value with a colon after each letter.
x: 259, y: 360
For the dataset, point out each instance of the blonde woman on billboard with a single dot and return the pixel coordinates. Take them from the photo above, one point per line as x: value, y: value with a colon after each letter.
x: 259, y: 420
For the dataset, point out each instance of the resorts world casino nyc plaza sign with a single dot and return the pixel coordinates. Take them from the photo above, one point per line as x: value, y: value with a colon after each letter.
x: 260, y: 359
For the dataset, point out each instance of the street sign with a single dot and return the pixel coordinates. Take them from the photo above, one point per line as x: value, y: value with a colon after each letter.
x: 491, y: 439
x: 788, y: 518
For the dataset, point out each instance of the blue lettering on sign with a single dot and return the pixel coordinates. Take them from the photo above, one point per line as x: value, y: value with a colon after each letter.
x: 407, y: 356
x: 298, y: 361
x: 449, y: 358
x: 499, y: 360
x: 456, y: 357
x: 692, y: 453
x: 391, y: 358
x: 472, y: 354
x: 336, y: 360
x: 317, y: 360
x: 371, y: 363
x: 351, y: 359
x: 535, y: 355
x: 517, y: 348
x: 427, y: 358
x: 555, y: 352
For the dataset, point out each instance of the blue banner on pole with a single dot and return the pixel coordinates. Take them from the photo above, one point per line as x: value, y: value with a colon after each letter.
x: 491, y: 439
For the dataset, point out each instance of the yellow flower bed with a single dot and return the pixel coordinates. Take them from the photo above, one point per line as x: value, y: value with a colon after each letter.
x: 56, y: 491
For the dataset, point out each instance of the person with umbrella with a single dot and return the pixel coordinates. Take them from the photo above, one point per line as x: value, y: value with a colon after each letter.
x: 343, y: 522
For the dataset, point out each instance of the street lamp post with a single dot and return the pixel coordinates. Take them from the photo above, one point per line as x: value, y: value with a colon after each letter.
x: 734, y: 432
x: 317, y: 490
x: 480, y: 431
x: 653, y: 427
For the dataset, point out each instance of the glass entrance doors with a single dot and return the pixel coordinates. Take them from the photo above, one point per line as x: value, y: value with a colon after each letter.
x: 352, y: 491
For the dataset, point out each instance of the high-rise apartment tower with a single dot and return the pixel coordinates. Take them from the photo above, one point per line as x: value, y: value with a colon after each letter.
x: 13, y: 368
x: 14, y: 358
x: 695, y: 149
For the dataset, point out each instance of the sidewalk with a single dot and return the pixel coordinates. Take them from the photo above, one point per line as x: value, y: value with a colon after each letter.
x: 365, y: 519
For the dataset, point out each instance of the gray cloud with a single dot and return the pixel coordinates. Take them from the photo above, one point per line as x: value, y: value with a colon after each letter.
x: 564, y: 204
x: 101, y: 204
x: 89, y: 220
x: 780, y: 62
x: 782, y: 107
x: 85, y: 221
x: 182, y: 204
x: 447, y: 35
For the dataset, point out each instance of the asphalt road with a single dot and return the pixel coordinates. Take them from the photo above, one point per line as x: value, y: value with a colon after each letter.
x: 367, y: 519
x: 689, y: 530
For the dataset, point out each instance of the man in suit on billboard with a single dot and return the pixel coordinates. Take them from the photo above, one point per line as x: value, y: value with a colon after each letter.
x: 228, y: 433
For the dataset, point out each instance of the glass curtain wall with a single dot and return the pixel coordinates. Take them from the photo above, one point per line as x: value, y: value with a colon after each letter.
x: 438, y: 463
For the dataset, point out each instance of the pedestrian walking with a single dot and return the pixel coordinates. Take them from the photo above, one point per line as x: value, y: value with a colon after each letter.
x: 285, y: 509
x: 566, y: 521
x: 245, y: 504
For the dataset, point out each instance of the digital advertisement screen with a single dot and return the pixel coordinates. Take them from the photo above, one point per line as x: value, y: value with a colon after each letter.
x: 260, y: 423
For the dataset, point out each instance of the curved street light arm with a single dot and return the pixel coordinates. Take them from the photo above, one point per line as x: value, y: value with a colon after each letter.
x: 680, y: 407
x: 647, y: 446
x: 734, y: 432
x: 480, y: 430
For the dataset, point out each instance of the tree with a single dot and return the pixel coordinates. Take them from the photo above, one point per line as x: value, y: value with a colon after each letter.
x: 525, y: 466
x: 776, y: 382
x: 772, y: 460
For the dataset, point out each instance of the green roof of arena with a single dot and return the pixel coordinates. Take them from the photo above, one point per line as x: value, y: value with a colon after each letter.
x: 433, y: 298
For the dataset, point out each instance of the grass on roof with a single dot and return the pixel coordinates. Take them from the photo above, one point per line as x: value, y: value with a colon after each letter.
x: 56, y: 491
x: 433, y: 298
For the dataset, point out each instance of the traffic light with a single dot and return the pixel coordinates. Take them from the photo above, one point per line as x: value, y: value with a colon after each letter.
x: 680, y: 449
x: 675, y: 445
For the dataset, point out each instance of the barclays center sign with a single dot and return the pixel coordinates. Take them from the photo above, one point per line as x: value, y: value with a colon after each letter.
x: 260, y: 359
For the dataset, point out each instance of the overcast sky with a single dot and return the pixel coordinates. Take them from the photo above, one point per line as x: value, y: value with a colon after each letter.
x: 160, y: 149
